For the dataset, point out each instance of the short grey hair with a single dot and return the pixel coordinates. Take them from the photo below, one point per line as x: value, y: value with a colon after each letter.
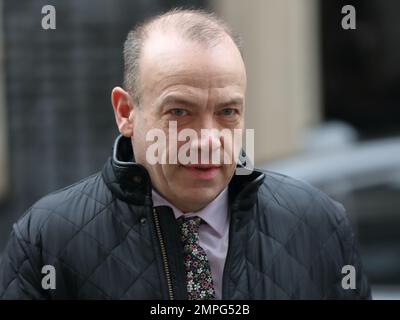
x: 196, y: 25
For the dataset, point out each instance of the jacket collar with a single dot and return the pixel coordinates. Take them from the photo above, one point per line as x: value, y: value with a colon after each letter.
x: 130, y: 182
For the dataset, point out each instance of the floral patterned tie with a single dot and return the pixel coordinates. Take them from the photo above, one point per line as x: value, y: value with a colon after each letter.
x: 198, y: 273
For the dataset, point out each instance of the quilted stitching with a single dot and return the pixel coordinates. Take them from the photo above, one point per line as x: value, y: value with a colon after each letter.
x: 71, y: 268
x: 302, y: 216
x: 306, y: 209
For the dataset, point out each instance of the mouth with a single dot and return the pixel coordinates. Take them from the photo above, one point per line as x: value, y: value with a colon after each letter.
x: 203, y: 171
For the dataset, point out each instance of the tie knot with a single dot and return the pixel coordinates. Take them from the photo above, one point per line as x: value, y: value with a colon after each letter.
x: 189, y: 228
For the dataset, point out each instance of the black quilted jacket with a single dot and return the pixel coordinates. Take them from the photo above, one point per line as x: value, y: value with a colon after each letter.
x: 105, y: 241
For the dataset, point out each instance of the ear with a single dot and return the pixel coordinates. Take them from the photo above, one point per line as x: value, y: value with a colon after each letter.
x: 123, y: 111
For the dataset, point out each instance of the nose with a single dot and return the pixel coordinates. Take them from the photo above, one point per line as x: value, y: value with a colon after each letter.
x: 208, y: 139
x: 208, y: 142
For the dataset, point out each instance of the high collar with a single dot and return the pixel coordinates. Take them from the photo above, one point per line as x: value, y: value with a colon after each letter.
x: 216, y: 221
x: 130, y: 182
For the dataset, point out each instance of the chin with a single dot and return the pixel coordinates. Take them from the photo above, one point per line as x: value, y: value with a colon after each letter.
x: 200, y: 195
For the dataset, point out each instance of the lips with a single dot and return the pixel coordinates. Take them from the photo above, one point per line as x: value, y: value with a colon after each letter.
x: 203, y: 166
x: 203, y: 171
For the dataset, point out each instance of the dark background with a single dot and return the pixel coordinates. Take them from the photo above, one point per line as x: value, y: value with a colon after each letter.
x: 361, y: 68
x: 58, y: 87
x: 60, y: 123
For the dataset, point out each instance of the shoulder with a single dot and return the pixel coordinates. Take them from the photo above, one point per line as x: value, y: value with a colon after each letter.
x: 286, y: 199
x: 312, y: 231
x: 62, y: 213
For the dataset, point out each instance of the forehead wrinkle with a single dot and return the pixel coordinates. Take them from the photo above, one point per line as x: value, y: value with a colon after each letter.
x: 187, y: 65
x: 162, y: 58
x: 183, y: 93
x: 193, y: 82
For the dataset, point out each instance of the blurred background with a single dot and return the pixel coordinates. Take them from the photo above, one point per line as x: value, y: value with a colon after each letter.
x: 322, y: 100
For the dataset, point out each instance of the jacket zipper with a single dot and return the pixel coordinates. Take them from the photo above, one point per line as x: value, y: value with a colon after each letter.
x: 227, y: 261
x: 163, y: 255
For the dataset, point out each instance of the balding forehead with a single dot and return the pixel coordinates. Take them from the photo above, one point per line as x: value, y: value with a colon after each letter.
x: 194, y: 25
x: 168, y: 61
x: 191, y: 25
x: 169, y: 50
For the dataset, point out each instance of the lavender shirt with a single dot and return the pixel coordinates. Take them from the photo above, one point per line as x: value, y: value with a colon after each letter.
x: 213, y: 235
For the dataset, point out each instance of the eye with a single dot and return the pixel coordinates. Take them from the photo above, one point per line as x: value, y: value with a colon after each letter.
x: 177, y: 112
x: 227, y: 112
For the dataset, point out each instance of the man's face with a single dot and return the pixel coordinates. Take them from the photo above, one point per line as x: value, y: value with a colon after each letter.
x: 199, y: 87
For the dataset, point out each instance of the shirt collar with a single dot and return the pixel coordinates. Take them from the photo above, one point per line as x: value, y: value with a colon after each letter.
x: 215, y: 213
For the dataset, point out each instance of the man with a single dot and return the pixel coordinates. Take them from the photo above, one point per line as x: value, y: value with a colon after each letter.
x: 177, y: 229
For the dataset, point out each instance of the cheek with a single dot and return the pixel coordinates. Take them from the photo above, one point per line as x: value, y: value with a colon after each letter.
x: 142, y: 126
x: 232, y: 146
x: 228, y: 170
x: 139, y: 149
x: 170, y: 175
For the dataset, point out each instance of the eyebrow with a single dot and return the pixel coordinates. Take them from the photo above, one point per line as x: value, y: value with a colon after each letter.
x: 172, y: 98
x: 233, y: 101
